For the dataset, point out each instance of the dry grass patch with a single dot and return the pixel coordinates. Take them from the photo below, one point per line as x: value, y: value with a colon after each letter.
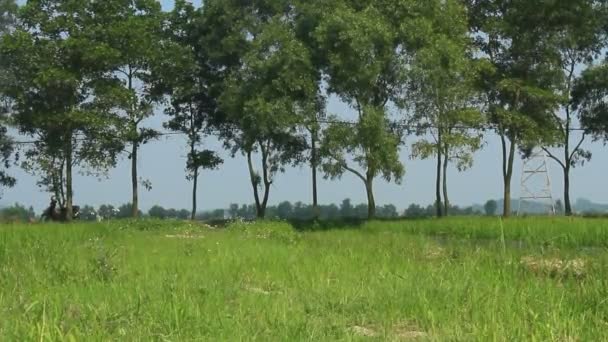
x: 555, y: 267
x: 435, y: 253
x: 364, y: 331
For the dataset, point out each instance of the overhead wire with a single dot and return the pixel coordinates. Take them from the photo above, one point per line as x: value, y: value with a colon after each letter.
x: 412, y: 127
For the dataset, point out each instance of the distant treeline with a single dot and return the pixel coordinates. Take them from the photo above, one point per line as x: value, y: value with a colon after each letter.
x: 285, y: 210
x: 299, y: 211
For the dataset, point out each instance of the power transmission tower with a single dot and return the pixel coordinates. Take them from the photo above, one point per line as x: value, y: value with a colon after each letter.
x: 536, y: 183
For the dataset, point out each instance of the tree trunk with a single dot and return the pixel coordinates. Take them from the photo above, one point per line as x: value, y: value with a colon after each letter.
x: 59, y: 184
x: 313, y: 166
x: 254, y: 184
x: 68, y: 181
x: 446, y: 201
x: 266, y: 180
x: 135, y: 147
x: 567, y: 159
x: 567, y: 155
x: 508, y: 158
x: 567, y: 204
x: 438, y: 180
x: 194, y: 188
x: 371, y: 202
x: 135, y: 200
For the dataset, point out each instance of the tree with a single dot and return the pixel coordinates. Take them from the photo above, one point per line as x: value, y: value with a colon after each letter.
x: 107, y: 211
x: 184, y: 75
x: 365, y: 68
x: 516, y: 40
x: 233, y: 211
x: 590, y: 99
x: 58, y: 89
x: 388, y: 211
x: 125, y: 211
x: 6, y: 151
x: 88, y: 213
x: 443, y: 97
x: 269, y: 81
x: 414, y: 211
x: 490, y: 207
x: 132, y: 29
x: 581, y: 39
x: 17, y: 213
x: 347, y: 209
x: 306, y: 21
x: 559, y: 207
x: 157, y: 212
x: 285, y: 210
x: 7, y: 15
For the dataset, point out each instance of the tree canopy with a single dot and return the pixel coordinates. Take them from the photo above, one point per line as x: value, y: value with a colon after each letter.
x: 80, y: 79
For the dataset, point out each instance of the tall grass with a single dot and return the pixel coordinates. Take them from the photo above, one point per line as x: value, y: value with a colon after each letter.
x: 387, y: 281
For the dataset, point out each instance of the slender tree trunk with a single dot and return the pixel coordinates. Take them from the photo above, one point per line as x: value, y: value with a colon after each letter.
x: 567, y: 204
x: 313, y: 166
x: 371, y: 202
x: 59, y: 185
x: 135, y: 147
x: 134, y: 185
x: 508, y: 157
x: 254, y: 183
x: 68, y: 180
x: 446, y: 201
x: 194, y: 188
x: 266, y: 180
x: 567, y: 155
x: 262, y: 213
x: 567, y: 164
x: 195, y: 165
x: 438, y: 180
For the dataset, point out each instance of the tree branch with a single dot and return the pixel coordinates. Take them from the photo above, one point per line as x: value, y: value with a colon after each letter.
x: 552, y: 156
x: 357, y: 173
x: 580, y: 143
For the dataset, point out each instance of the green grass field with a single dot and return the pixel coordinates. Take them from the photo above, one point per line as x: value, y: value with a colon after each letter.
x: 449, y: 280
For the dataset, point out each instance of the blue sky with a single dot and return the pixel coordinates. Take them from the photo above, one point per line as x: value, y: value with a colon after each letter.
x: 163, y: 162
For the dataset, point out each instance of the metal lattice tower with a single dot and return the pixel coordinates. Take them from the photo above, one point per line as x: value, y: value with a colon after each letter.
x: 536, y: 183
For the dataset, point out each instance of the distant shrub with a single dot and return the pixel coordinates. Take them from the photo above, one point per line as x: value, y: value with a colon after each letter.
x: 17, y: 213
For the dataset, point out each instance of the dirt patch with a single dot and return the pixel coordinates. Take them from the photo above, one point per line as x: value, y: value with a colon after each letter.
x: 555, y: 267
x: 364, y: 331
x: 403, y: 332
x: 184, y: 236
x: 435, y: 252
x: 257, y: 290
x: 408, y: 332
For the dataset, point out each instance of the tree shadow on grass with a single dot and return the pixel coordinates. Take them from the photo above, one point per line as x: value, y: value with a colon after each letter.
x: 326, y: 225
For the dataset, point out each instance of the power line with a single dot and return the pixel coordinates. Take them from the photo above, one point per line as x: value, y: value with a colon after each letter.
x: 411, y: 127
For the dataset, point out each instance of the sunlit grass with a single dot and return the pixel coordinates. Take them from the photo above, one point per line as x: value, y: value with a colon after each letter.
x: 428, y: 280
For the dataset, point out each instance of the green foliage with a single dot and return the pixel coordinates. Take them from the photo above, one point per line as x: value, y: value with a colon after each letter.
x: 490, y: 207
x: 442, y: 93
x: 183, y: 73
x: 88, y: 213
x: 269, y: 84
x: 125, y: 211
x: 365, y: 65
x: 57, y: 90
x: 521, y: 69
x: 371, y: 144
x: 589, y: 97
x: 17, y: 213
x: 158, y: 212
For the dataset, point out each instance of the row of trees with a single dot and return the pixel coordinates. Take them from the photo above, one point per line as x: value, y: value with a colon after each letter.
x: 82, y: 77
x: 285, y: 211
